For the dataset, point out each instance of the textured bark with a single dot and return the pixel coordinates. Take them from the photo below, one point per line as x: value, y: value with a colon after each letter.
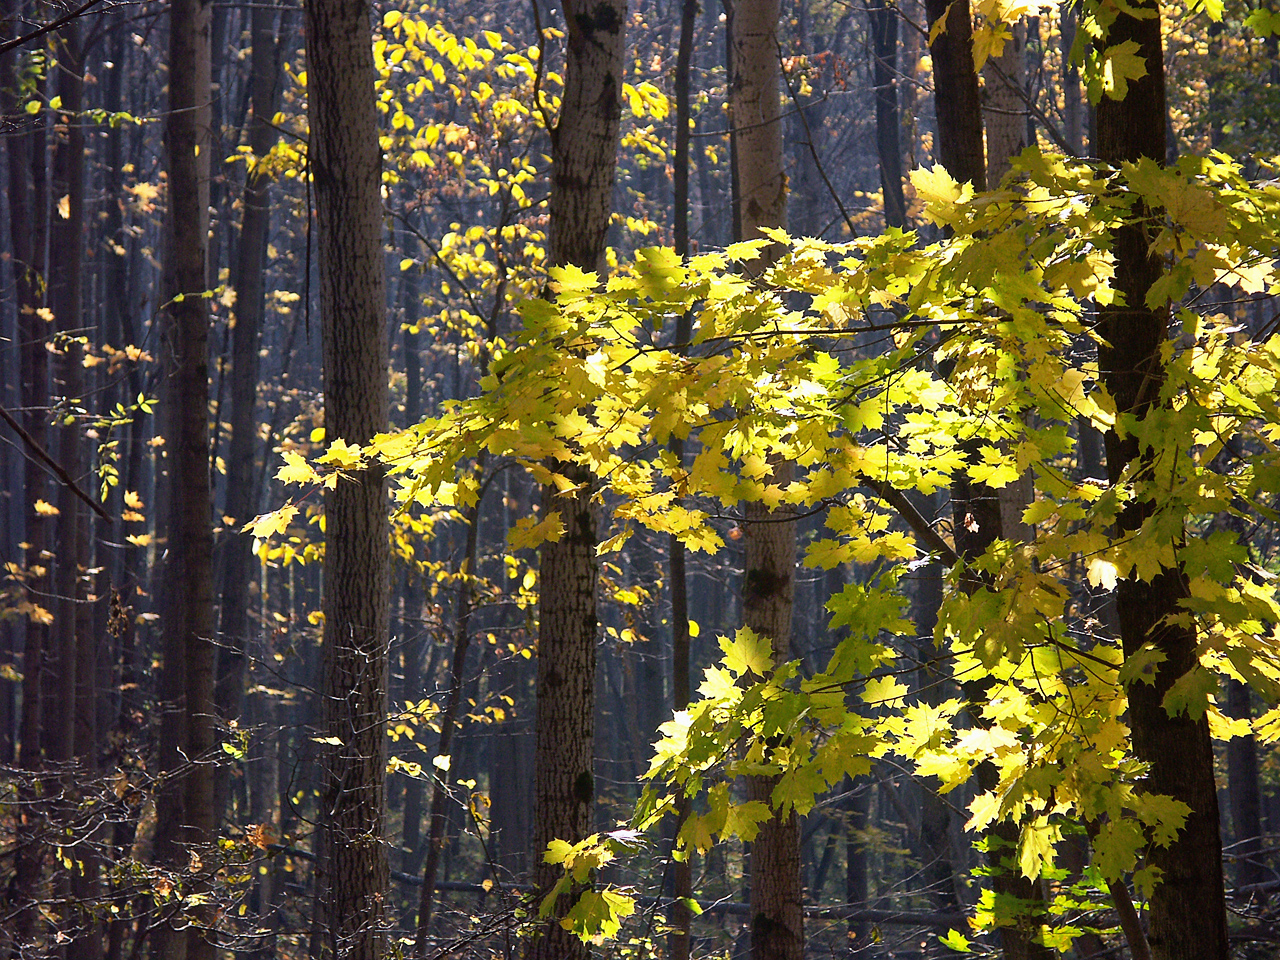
x: 346, y: 161
x: 955, y: 87
x: 1004, y: 112
x: 185, y: 808
x: 769, y: 538
x: 768, y: 595
x: 755, y: 113
x: 1187, y: 915
x: 585, y: 146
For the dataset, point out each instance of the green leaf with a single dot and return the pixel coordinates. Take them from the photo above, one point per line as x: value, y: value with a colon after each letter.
x: 598, y: 916
x: 747, y: 653
x: 954, y: 940
x: 1117, y: 66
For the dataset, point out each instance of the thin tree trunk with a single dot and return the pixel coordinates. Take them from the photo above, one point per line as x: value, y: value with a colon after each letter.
x: 883, y: 20
x: 681, y: 916
x: 769, y: 537
x: 28, y: 201
x: 464, y: 603
x: 1242, y: 778
x: 1187, y: 914
x: 185, y: 809
x: 249, y: 283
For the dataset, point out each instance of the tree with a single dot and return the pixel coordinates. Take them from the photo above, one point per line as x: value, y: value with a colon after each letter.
x: 346, y: 164
x: 1187, y: 908
x: 185, y: 809
x: 249, y: 283
x: 769, y: 535
x: 584, y: 145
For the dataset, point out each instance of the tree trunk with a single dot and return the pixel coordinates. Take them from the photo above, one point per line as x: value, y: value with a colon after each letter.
x: 680, y: 915
x: 955, y: 87
x: 185, y: 810
x: 347, y: 164
x: 1004, y: 112
x: 248, y: 281
x: 883, y: 21
x: 28, y: 203
x: 1187, y: 915
x: 769, y: 538
x: 584, y: 151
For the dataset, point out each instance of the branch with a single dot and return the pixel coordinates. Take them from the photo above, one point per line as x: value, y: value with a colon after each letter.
x: 52, y: 464
x: 813, y: 149
x: 919, y: 525
x: 48, y: 27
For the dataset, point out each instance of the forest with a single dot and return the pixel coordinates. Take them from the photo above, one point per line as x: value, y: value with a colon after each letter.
x: 764, y: 479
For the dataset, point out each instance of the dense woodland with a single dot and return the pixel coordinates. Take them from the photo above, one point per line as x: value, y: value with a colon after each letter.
x: 446, y: 513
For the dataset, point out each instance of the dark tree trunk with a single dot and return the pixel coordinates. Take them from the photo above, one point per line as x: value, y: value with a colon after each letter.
x: 883, y: 20
x: 680, y: 915
x: 1242, y: 777
x: 584, y: 152
x: 1187, y: 915
x: 956, y: 100
x: 347, y: 165
x: 249, y: 283
x: 185, y: 810
x: 28, y: 203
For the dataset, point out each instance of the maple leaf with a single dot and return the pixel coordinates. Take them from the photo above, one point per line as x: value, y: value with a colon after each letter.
x: 527, y: 533
x: 747, y: 653
x: 296, y: 469
x: 271, y: 524
x: 1118, y: 65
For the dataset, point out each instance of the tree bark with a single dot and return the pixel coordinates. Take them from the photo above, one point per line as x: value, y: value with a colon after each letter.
x: 347, y: 164
x: 185, y: 809
x: 1004, y: 112
x: 955, y: 88
x: 1187, y: 915
x: 769, y: 537
x: 584, y: 158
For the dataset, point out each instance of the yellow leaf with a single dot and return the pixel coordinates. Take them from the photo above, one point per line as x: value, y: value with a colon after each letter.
x: 139, y: 539
x: 939, y: 26
x: 747, y: 652
x: 1102, y: 573
x: 46, y: 509
x: 940, y: 192
x: 527, y: 534
x: 131, y: 499
x: 272, y: 523
x: 296, y: 469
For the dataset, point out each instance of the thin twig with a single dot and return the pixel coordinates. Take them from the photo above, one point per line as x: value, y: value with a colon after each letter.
x: 66, y: 478
x: 48, y: 27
